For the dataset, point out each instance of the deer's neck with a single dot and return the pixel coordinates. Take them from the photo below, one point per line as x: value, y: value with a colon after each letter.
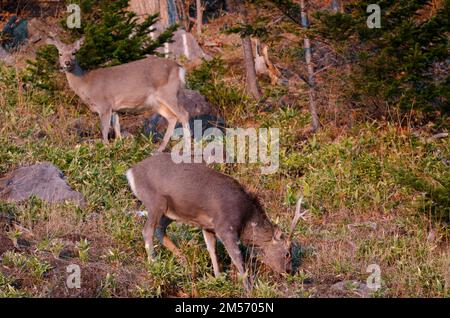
x: 258, y: 231
x: 77, y: 80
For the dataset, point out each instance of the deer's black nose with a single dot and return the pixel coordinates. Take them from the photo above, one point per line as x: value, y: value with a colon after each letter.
x: 67, y: 63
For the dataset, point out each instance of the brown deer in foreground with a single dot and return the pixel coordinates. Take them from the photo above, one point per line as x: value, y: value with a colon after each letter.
x: 197, y: 195
x: 150, y: 83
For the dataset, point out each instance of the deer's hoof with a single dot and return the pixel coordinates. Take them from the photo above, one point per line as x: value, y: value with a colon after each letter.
x: 160, y: 150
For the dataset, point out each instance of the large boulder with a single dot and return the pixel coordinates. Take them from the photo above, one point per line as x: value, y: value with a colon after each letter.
x: 44, y: 181
x: 185, y: 45
x: 184, y: 49
x: 195, y: 103
x: 16, y: 31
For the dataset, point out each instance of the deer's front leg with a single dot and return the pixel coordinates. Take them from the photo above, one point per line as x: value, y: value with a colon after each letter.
x: 231, y: 242
x: 105, y: 123
x: 210, y: 240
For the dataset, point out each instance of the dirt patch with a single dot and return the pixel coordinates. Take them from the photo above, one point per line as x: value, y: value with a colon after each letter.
x: 90, y: 281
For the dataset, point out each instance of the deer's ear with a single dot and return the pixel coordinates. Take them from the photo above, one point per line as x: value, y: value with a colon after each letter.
x: 79, y: 43
x: 51, y: 41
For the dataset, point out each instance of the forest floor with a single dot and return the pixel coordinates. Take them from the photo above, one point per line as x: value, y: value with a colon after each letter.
x: 376, y: 192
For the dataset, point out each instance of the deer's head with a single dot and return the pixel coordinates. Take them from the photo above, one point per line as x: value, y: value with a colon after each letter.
x: 67, y: 59
x: 278, y: 252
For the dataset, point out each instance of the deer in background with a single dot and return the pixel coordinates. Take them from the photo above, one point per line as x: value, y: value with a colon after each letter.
x: 151, y: 83
x: 197, y: 195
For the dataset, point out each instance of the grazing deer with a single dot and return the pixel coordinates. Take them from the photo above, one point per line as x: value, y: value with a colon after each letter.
x: 197, y: 195
x: 150, y: 83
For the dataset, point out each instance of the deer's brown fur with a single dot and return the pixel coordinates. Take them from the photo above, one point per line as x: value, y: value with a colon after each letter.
x: 197, y: 195
x: 150, y: 83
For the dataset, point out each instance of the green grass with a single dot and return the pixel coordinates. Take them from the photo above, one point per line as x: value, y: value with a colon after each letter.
x: 7, y: 288
x: 30, y: 264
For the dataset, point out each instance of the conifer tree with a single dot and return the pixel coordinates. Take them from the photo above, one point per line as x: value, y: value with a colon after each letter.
x: 404, y: 63
x: 114, y: 36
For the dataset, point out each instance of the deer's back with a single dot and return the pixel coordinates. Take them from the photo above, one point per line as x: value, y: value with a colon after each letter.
x: 138, y: 69
x: 128, y: 85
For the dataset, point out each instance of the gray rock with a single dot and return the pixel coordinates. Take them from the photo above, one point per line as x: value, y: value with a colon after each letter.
x: 185, y: 44
x: 17, y: 31
x: 42, y: 180
x: 195, y: 103
x: 350, y: 288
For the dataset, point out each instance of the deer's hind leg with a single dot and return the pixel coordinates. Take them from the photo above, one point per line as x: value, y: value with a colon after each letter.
x: 172, y: 122
x: 116, y: 125
x: 156, y: 206
x: 105, y: 123
x: 170, y: 105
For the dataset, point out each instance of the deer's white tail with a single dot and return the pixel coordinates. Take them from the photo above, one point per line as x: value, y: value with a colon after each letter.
x: 131, y: 181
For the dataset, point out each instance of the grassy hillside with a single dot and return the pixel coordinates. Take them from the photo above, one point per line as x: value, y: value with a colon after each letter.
x: 377, y: 193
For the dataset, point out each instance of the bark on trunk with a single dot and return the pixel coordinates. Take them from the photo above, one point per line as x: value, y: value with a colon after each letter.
x: 336, y: 6
x: 164, y: 13
x: 230, y: 5
x: 310, y: 67
x: 249, y: 59
x: 199, y: 8
x: 183, y: 8
x: 144, y: 8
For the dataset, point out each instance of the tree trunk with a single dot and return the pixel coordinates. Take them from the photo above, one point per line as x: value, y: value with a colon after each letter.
x: 164, y: 13
x: 249, y: 60
x: 143, y: 8
x: 337, y: 6
x: 230, y: 5
x: 183, y: 8
x: 172, y: 12
x: 310, y: 67
x: 199, y: 8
